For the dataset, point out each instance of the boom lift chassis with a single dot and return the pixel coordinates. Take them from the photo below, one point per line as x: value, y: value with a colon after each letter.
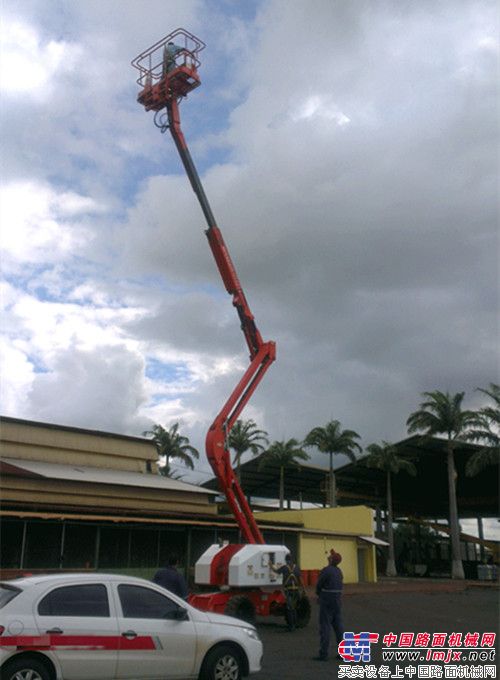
x: 168, y: 72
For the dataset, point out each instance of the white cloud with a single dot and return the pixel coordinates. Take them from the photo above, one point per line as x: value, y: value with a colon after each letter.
x: 85, y: 383
x: 39, y: 224
x: 27, y: 64
x: 17, y: 377
x: 317, y: 106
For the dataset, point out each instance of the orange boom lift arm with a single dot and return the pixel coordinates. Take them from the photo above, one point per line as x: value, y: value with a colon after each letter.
x: 168, y: 72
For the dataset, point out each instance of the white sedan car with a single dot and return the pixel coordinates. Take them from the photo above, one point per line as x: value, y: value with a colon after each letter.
x: 110, y: 627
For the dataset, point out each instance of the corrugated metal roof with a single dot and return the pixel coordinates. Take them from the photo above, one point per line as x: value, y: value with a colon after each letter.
x: 373, y: 540
x: 93, y: 475
x: 357, y: 483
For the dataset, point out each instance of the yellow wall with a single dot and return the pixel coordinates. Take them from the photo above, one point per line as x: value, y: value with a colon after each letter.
x: 314, y: 551
x: 341, y: 527
x: 356, y: 519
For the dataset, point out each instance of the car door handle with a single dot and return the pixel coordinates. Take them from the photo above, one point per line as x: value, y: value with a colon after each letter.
x: 129, y: 634
x: 54, y: 631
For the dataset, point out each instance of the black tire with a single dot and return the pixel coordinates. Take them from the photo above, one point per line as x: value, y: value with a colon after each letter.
x: 222, y: 663
x: 303, y: 611
x: 25, y: 668
x: 240, y: 607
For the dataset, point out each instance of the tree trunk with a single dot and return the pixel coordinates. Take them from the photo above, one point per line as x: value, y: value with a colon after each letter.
x: 480, y: 531
x: 333, y: 493
x: 282, y: 487
x: 457, y: 569
x: 391, y: 561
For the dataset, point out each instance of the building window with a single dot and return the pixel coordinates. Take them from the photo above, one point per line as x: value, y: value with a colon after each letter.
x: 201, y: 539
x: 11, y: 543
x: 43, y: 546
x: 144, y: 548
x: 172, y: 541
x: 114, y: 548
x: 79, y: 546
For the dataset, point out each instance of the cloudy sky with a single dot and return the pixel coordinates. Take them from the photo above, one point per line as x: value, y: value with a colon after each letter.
x: 349, y: 150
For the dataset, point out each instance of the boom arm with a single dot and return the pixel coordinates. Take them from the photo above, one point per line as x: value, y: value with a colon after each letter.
x: 262, y: 354
x: 167, y: 73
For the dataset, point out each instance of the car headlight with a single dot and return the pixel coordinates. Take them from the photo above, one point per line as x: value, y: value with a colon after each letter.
x: 252, y: 633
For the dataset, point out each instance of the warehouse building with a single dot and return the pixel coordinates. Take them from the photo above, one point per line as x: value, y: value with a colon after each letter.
x: 73, y: 499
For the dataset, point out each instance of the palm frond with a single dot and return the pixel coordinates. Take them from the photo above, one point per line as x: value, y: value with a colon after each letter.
x: 332, y: 439
x: 284, y: 454
x: 171, y: 444
x: 481, y: 460
x: 441, y: 413
x: 385, y: 457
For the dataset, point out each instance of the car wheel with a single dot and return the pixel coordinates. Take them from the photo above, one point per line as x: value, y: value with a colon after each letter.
x: 222, y: 663
x: 240, y: 607
x: 25, y: 669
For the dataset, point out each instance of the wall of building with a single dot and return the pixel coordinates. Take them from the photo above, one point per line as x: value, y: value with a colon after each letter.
x: 27, y: 440
x: 25, y: 492
x: 341, y: 527
x: 356, y: 519
x: 110, y: 457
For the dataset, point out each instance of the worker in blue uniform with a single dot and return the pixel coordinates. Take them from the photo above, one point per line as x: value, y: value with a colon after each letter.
x: 168, y: 577
x: 329, y: 592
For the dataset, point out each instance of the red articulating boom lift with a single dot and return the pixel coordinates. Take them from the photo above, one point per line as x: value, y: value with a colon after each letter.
x: 168, y: 72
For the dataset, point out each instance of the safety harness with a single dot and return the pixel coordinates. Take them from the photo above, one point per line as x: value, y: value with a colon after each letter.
x: 290, y: 581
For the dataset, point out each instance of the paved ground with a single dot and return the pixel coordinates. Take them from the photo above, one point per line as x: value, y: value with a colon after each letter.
x: 391, y: 606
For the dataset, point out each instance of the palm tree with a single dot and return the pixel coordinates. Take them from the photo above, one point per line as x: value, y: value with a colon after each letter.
x: 171, y: 444
x: 442, y: 413
x: 333, y: 439
x: 167, y: 471
x: 486, y: 429
x: 244, y: 436
x: 285, y: 454
x: 385, y: 457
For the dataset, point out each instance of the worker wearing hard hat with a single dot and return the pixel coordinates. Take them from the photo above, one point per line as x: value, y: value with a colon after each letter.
x: 329, y: 592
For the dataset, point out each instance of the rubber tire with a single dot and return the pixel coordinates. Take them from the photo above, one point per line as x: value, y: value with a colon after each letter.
x: 17, y: 665
x: 303, y: 611
x: 240, y: 607
x: 219, y: 658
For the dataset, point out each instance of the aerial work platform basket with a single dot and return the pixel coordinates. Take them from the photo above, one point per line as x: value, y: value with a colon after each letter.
x: 168, y: 69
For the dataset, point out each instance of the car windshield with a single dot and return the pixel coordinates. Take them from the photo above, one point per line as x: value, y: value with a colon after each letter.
x: 7, y: 593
